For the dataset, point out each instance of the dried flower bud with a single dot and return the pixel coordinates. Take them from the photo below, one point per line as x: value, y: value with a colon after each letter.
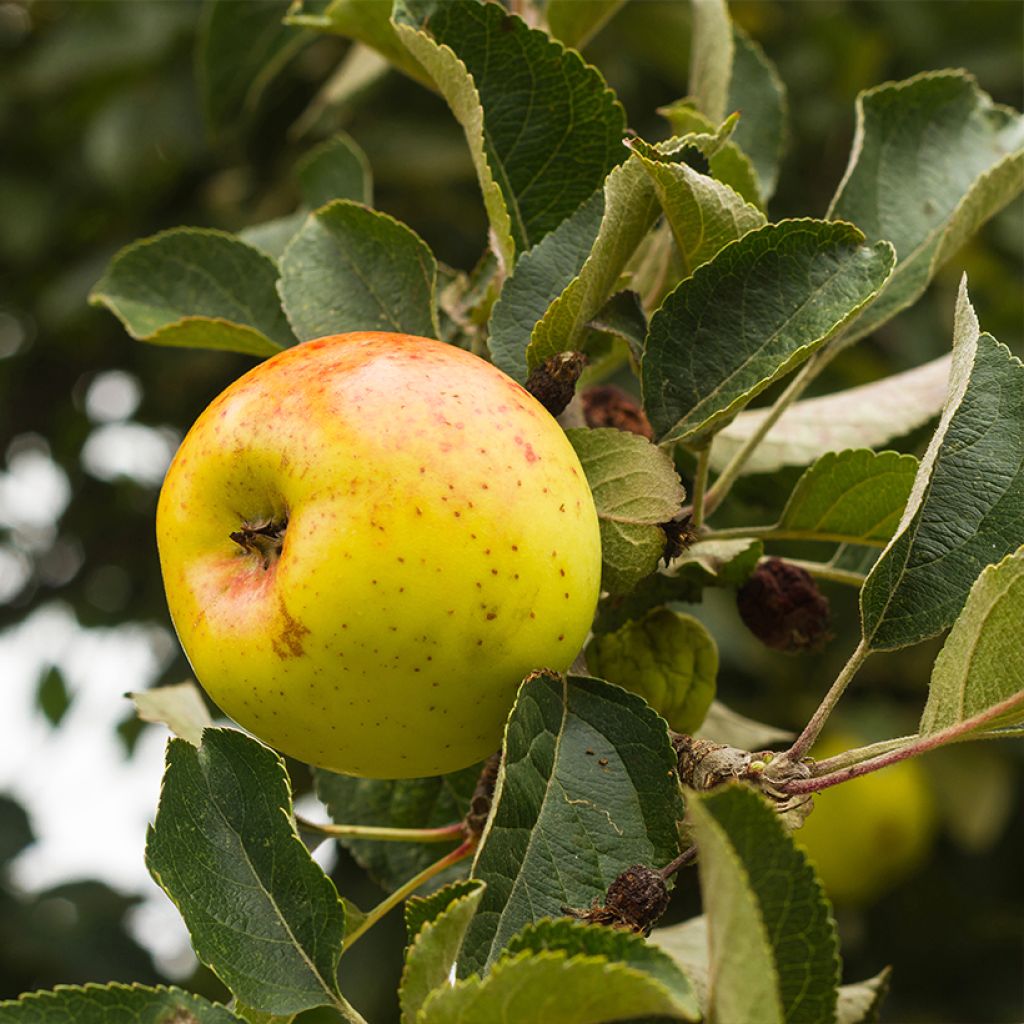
x: 634, y: 901
x: 483, y: 795
x: 783, y: 607
x: 553, y: 383
x: 609, y: 406
x: 679, y: 535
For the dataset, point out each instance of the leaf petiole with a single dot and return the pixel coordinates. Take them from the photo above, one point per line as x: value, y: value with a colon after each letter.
x: 443, y: 834
x: 916, y: 745
x: 391, y: 901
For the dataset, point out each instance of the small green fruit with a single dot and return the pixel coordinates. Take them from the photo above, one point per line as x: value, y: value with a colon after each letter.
x: 668, y: 658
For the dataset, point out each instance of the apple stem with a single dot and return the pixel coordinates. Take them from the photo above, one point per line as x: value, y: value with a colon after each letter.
x: 443, y: 834
x: 688, y: 856
x: 460, y: 853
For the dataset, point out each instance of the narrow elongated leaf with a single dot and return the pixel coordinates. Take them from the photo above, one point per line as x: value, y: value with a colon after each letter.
x: 773, y: 946
x: 405, y: 803
x: 966, y: 509
x: 576, y: 22
x: 527, y: 106
x: 196, y: 288
x: 756, y: 311
x: 615, y: 944
x: 704, y: 214
x: 541, y: 274
x: 867, y: 416
x: 711, y: 57
x: 575, y: 806
x: 981, y: 664
x: 368, y: 21
x: 635, y: 488
x: 849, y: 496
x: 260, y: 911
x: 669, y: 659
x: 554, y: 986
x: 353, y: 269
x: 434, y: 946
x: 113, y: 1004
x: 240, y: 48
x: 336, y: 169
x: 759, y: 95
x: 933, y: 158
x: 630, y: 210
x: 180, y: 707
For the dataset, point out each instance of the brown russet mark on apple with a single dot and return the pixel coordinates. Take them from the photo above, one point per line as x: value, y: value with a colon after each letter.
x: 289, y: 643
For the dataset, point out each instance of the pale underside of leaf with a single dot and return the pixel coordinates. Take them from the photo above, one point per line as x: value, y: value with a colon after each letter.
x: 866, y: 416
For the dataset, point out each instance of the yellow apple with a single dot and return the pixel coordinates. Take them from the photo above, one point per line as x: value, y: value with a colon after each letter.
x: 867, y: 835
x: 367, y: 542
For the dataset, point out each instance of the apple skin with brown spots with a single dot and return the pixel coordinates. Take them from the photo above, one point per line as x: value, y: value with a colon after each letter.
x: 413, y: 534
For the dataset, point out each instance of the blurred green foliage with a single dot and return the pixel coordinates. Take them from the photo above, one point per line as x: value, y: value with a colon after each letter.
x: 104, y: 141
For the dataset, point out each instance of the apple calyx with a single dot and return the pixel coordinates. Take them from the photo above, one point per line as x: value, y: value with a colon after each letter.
x: 263, y: 538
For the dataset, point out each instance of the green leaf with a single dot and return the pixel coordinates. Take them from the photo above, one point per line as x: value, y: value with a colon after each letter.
x: 239, y: 50
x: 773, y: 947
x: 576, y: 22
x: 723, y: 725
x: 867, y: 416
x: 933, y: 158
x: 336, y: 169
x: 368, y: 21
x: 180, y: 707
x: 527, y: 106
x: 981, y: 665
x: 687, y: 945
x: 709, y: 563
x: 727, y: 163
x: 422, y: 910
x: 587, y: 790
x: 434, y: 946
x: 261, y: 913
x: 351, y: 268
x: 273, y: 236
x: 757, y: 92
x: 541, y: 274
x: 850, y: 496
x: 635, y: 487
x: 762, y: 306
x: 196, y: 288
x: 406, y: 803
x: 704, y: 214
x: 52, y: 695
x: 861, y: 1002
x: 113, y: 1004
x: 554, y: 986
x: 614, y: 944
x: 966, y: 509
x: 669, y: 659
x: 630, y: 210
x: 711, y: 57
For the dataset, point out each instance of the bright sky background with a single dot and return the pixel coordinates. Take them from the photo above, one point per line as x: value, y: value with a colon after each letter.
x: 89, y: 803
